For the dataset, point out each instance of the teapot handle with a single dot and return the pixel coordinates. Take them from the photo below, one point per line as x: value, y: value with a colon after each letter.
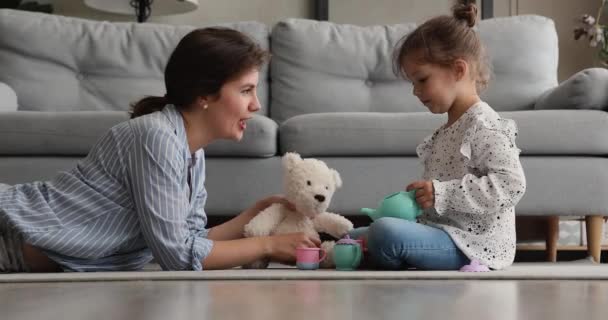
x: 359, y: 255
x: 323, y: 255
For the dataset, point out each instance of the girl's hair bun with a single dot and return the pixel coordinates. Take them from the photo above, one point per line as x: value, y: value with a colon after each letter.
x: 466, y: 10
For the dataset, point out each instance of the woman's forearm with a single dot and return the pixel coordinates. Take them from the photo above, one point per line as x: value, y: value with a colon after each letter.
x: 233, y: 228
x: 234, y: 253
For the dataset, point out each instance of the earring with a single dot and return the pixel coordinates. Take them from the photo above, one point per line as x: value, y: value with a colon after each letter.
x: 205, y: 106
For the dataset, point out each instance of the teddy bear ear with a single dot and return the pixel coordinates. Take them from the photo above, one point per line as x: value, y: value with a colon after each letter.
x: 290, y: 159
x: 337, y: 179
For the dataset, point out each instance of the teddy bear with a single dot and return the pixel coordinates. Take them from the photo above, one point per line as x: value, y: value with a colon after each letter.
x: 309, y: 185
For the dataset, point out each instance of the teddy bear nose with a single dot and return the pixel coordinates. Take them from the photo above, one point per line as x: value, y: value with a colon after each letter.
x: 320, y: 198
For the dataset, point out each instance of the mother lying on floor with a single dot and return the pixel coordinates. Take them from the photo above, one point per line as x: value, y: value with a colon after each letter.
x: 139, y: 194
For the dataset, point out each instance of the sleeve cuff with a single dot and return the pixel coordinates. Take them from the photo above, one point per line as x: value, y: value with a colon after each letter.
x: 442, y: 191
x: 201, y: 247
x: 203, y: 233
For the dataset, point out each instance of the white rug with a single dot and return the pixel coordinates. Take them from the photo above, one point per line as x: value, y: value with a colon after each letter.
x: 579, y: 270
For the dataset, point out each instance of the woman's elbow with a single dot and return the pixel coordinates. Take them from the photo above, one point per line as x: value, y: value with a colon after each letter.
x: 174, y: 263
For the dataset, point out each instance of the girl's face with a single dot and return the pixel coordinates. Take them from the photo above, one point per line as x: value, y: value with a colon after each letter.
x: 235, y: 105
x: 435, y: 86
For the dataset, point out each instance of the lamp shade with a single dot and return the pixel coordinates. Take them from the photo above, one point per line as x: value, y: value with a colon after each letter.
x: 158, y: 7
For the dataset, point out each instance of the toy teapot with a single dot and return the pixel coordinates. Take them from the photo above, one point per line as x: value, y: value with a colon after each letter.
x: 347, y: 254
x: 401, y: 205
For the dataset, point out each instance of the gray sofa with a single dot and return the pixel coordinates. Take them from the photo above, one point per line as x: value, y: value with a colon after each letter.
x: 329, y: 93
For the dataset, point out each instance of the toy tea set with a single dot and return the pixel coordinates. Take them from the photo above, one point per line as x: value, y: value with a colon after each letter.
x: 347, y: 255
x: 349, y: 252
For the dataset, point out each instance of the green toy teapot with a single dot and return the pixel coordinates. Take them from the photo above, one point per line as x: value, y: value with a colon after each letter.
x: 401, y: 205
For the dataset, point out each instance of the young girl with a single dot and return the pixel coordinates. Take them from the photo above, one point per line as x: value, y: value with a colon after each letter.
x: 472, y: 175
x: 140, y: 192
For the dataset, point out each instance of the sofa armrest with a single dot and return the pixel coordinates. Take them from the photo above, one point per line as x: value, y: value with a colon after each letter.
x: 587, y: 89
x: 8, y: 98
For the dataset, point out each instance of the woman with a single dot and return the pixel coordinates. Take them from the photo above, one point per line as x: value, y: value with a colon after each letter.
x: 140, y: 193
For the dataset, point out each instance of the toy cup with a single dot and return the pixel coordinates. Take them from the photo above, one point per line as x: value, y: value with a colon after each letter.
x: 309, y: 258
x: 347, y: 254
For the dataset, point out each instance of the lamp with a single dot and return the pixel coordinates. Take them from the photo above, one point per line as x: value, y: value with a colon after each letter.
x: 143, y: 8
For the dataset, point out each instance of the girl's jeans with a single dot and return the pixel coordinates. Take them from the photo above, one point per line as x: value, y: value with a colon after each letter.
x: 396, y: 244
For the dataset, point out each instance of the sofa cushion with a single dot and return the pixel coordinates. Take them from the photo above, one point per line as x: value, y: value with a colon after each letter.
x: 328, y: 67
x: 260, y: 140
x: 548, y: 132
x: 74, y: 133
x: 587, y: 89
x: 8, y: 98
x: 57, y: 63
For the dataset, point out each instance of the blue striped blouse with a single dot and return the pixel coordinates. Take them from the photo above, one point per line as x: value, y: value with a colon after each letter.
x: 127, y: 202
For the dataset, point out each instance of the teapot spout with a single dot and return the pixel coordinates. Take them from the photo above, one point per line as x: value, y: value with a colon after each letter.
x: 372, y: 213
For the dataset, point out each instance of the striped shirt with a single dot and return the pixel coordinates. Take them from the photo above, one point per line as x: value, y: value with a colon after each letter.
x: 127, y: 202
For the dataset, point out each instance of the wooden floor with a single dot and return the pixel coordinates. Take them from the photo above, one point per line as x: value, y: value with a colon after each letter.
x: 332, y: 300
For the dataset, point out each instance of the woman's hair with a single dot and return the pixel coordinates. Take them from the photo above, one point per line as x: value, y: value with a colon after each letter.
x: 203, y: 61
x: 443, y: 39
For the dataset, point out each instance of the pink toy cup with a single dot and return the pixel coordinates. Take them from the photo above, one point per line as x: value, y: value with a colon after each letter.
x: 309, y: 258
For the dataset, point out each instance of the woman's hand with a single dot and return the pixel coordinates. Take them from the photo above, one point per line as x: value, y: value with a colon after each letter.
x: 233, y: 229
x: 268, y: 201
x: 425, y: 193
x: 282, y: 248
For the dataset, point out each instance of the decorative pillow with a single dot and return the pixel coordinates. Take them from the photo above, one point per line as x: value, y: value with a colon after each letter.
x: 587, y: 89
x: 8, y: 98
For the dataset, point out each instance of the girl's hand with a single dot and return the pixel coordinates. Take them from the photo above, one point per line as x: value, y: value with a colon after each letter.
x: 282, y: 248
x: 425, y: 193
x: 268, y: 201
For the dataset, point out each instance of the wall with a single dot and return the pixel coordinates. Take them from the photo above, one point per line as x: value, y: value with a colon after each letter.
x: 365, y: 12
x: 209, y: 11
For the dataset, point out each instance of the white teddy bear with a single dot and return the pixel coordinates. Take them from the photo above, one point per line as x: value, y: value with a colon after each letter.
x: 309, y: 184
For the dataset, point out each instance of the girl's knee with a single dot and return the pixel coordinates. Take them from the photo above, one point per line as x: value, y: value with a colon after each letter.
x: 387, y: 232
x: 390, y: 229
x: 384, y: 241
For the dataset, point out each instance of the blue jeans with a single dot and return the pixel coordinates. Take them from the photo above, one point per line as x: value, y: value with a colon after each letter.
x: 397, y: 244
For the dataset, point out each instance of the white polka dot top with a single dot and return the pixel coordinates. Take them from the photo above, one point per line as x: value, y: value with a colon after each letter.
x: 478, y: 179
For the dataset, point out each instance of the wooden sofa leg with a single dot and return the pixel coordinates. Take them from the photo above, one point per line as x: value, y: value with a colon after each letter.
x: 552, y: 235
x: 593, y: 225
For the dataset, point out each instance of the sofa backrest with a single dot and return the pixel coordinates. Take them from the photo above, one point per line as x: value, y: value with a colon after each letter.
x: 328, y: 67
x: 57, y: 63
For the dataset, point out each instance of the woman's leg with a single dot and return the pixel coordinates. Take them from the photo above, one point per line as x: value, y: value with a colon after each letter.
x: 18, y: 256
x: 398, y: 244
x: 36, y: 261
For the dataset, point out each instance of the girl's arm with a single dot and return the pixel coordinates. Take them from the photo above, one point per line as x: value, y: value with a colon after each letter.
x: 500, y: 182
